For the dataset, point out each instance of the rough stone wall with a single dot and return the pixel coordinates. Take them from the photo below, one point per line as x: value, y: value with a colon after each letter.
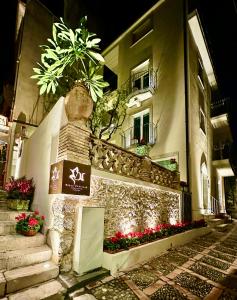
x: 128, y: 207
x: 132, y: 207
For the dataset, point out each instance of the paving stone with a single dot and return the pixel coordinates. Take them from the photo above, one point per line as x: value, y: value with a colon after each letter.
x: 207, y: 272
x: 204, y: 243
x: 227, y: 295
x: 195, y: 247
x: 230, y: 282
x: 193, y: 284
x: 142, y: 277
x: 222, y: 256
x: 226, y: 250
x: 215, y: 263
x: 167, y: 292
x: 112, y: 290
x: 174, y: 257
x: 187, y: 251
x: 162, y: 266
x: 230, y: 245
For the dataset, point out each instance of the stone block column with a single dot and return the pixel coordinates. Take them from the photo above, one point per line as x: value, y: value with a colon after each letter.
x: 69, y: 234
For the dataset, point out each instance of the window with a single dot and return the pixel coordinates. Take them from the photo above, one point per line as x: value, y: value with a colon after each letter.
x: 140, y: 76
x: 141, y: 126
x: 200, y: 73
x: 141, y: 31
x: 202, y: 121
x: 202, y: 109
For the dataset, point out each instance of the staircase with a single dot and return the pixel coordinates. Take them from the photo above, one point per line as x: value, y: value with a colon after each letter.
x: 26, y: 269
x: 216, y: 223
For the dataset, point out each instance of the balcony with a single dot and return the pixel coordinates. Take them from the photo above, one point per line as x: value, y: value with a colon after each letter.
x: 221, y: 151
x: 131, y: 136
x: 220, y: 107
x: 140, y: 87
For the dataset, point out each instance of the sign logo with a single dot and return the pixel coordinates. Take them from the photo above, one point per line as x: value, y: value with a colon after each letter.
x: 76, y: 175
x: 55, y: 173
x: 68, y: 177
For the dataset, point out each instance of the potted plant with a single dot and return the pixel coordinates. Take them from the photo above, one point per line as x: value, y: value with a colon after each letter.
x: 71, y: 65
x: 142, y: 148
x: 29, y: 224
x: 19, y: 193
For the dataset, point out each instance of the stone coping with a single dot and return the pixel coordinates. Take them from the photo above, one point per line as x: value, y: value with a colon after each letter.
x: 122, y: 260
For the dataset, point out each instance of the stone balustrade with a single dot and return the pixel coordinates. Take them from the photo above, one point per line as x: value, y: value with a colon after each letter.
x: 114, y: 159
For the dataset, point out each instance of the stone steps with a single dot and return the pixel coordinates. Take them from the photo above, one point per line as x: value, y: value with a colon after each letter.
x: 215, y: 222
x: 51, y: 290
x: 208, y: 217
x: 21, y: 278
x: 222, y: 227
x: 22, y: 258
x: 7, y: 227
x: 3, y: 205
x: 9, y: 215
x: 18, y: 242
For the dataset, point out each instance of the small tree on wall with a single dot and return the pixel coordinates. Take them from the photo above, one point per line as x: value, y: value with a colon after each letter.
x: 109, y: 114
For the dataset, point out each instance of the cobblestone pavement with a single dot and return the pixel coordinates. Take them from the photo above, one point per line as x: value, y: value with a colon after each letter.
x: 204, y: 269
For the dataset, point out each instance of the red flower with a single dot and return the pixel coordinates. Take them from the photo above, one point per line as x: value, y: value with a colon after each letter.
x: 36, y: 212
x: 43, y: 217
x: 32, y: 222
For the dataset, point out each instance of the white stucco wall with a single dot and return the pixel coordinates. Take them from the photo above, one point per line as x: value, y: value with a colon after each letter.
x: 200, y: 143
x: 164, y: 47
x: 40, y: 151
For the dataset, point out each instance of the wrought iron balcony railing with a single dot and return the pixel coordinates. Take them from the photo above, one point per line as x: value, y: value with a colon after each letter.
x: 220, y: 107
x: 221, y: 151
x: 140, y: 83
x: 132, y: 136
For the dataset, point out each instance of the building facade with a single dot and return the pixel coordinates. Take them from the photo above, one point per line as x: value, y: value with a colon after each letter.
x: 163, y: 66
x: 163, y: 63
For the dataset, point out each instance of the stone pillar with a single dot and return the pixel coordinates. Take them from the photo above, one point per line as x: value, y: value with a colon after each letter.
x: 74, y: 144
x: 69, y: 246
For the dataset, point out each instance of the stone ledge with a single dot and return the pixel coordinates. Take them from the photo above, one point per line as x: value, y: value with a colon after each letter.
x: 127, y: 258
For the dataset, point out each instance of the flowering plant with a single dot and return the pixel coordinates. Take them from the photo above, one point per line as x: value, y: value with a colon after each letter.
x: 21, y: 188
x: 122, y: 241
x: 26, y: 222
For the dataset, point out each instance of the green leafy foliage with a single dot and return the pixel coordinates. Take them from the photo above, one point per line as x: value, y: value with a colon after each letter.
x: 109, y: 114
x: 70, y: 57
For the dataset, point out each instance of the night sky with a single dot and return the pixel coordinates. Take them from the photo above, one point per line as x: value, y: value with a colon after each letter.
x: 219, y: 20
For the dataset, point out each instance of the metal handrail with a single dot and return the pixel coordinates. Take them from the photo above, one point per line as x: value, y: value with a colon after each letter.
x: 215, y: 206
x: 128, y: 138
x: 128, y: 86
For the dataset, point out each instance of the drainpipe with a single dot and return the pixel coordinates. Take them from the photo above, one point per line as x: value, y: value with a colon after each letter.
x: 186, y: 87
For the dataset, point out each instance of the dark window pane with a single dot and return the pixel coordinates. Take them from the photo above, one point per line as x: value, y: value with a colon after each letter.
x: 137, y: 84
x: 146, y: 80
x: 137, y: 128
x: 146, y: 121
x: 202, y: 122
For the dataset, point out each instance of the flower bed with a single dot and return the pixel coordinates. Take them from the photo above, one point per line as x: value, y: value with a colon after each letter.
x: 121, y: 241
x: 120, y: 260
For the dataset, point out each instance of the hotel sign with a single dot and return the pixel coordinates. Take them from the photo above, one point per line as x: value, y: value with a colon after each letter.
x: 68, y: 177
